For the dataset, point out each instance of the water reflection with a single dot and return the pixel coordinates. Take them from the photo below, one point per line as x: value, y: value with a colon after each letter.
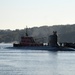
x: 28, y: 62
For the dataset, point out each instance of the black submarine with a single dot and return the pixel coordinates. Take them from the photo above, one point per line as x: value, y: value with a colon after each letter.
x: 28, y: 43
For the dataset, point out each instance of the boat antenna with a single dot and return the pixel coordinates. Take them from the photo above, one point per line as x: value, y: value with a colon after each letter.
x: 26, y: 31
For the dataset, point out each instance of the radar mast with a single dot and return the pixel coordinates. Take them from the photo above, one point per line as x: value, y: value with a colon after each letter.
x: 26, y: 31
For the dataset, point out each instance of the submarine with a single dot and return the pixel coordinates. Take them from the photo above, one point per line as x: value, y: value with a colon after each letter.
x: 28, y: 43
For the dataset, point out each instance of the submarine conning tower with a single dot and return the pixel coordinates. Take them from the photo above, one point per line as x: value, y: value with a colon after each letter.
x: 53, y: 39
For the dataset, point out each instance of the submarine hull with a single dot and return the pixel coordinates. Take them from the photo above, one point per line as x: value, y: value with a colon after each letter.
x: 49, y: 48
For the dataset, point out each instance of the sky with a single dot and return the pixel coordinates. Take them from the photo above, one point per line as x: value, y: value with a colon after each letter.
x: 17, y: 14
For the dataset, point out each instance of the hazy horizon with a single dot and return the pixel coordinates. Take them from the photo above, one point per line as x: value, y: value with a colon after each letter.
x: 17, y: 14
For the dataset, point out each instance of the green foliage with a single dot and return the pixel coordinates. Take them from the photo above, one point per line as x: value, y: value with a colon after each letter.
x: 66, y: 33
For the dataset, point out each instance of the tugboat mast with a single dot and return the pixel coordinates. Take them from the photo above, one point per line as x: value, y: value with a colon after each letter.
x: 26, y: 31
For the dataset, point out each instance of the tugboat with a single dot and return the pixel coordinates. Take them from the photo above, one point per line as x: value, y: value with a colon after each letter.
x: 28, y: 42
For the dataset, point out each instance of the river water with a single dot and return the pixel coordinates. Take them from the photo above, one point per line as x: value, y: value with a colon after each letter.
x: 35, y: 62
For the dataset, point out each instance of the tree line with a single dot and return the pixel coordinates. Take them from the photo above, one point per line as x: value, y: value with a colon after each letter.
x: 66, y: 33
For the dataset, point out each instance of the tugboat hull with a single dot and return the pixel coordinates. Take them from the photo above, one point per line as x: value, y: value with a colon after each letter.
x: 36, y: 47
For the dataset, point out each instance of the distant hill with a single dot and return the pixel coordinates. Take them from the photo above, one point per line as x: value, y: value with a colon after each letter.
x: 66, y: 33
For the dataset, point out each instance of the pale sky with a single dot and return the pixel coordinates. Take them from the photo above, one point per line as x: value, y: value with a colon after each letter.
x: 17, y: 14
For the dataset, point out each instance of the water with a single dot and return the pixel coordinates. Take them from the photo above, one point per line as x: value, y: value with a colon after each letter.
x: 35, y: 62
